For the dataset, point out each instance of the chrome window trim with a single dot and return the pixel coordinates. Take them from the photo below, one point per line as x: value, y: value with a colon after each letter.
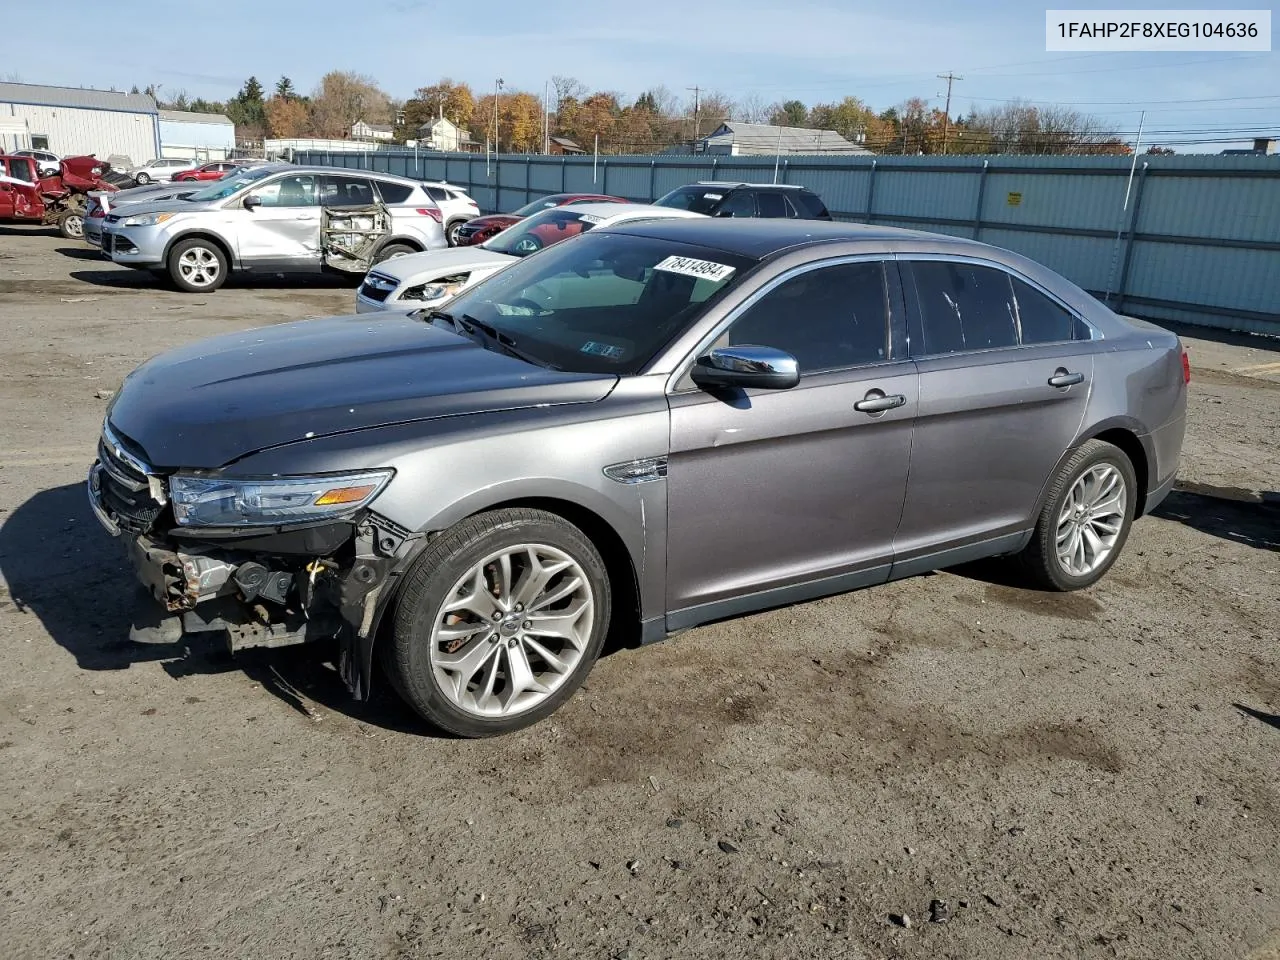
x: 909, y: 258
x: 682, y: 368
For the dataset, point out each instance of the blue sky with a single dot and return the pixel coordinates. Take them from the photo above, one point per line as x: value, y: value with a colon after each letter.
x: 880, y: 51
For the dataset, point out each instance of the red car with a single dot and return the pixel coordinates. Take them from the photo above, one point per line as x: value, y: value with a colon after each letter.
x: 25, y: 196
x: 482, y: 228
x: 210, y: 171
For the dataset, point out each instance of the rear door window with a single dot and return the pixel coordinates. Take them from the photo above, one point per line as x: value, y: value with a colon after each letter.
x: 964, y: 307
x: 772, y: 205
x: 393, y: 192
x: 344, y: 190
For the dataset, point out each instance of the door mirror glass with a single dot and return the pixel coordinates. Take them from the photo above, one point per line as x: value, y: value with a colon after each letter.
x: 745, y: 366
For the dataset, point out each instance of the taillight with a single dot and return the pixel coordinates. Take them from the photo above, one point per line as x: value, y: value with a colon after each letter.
x: 1186, y: 366
x: 432, y: 212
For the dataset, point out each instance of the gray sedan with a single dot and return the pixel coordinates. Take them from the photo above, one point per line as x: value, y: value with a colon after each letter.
x: 639, y: 430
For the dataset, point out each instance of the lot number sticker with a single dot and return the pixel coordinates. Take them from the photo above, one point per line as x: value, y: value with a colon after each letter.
x: 702, y: 269
x: 588, y: 218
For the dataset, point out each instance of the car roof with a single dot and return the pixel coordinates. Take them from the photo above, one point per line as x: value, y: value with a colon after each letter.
x: 760, y: 238
x: 734, y: 184
x: 376, y: 174
x: 608, y: 212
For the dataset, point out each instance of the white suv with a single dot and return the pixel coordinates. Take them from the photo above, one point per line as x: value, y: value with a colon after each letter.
x: 160, y: 170
x: 454, y: 203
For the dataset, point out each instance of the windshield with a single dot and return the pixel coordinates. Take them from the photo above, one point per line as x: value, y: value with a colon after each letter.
x: 697, y: 199
x: 540, y: 230
x: 529, y: 209
x: 605, y: 303
x: 221, y: 189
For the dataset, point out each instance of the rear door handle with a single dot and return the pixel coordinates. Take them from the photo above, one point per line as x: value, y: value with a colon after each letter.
x: 1063, y: 378
x: 877, y: 402
x: 305, y: 216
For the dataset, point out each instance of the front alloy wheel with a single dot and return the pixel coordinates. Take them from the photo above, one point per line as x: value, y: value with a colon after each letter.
x: 197, y: 266
x: 499, y: 622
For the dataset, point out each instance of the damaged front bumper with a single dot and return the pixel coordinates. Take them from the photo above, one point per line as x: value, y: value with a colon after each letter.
x: 259, y: 588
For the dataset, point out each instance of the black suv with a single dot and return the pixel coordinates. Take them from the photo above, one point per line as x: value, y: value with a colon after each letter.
x: 719, y: 199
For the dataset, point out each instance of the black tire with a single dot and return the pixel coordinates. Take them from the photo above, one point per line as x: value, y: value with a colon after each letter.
x: 405, y: 651
x: 393, y: 250
x: 451, y: 232
x: 204, y: 250
x: 71, y: 225
x: 142, y: 179
x: 1038, y: 562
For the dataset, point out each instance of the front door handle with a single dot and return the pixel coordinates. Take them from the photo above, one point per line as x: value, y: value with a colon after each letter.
x: 1064, y: 378
x: 305, y: 216
x: 877, y: 402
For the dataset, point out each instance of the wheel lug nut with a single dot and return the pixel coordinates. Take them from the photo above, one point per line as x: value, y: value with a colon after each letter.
x: 511, y: 643
x: 497, y: 614
x: 528, y: 625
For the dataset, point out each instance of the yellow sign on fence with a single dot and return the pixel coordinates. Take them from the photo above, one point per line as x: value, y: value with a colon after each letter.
x: 1015, y: 199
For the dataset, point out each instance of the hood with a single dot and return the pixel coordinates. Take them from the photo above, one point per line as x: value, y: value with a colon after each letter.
x: 207, y: 404
x: 146, y: 205
x: 424, y: 266
x: 493, y: 220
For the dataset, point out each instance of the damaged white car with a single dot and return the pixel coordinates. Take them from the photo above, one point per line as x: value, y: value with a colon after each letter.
x: 276, y: 219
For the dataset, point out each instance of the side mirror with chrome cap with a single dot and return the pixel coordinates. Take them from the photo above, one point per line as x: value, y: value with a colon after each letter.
x: 764, y: 368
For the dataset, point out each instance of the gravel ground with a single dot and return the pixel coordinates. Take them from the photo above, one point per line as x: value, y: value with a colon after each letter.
x: 1086, y: 775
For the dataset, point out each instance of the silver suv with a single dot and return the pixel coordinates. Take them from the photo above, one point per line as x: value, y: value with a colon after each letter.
x: 273, y: 219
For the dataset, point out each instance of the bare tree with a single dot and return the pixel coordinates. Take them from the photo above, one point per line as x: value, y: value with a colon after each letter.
x: 568, y: 88
x: 751, y: 108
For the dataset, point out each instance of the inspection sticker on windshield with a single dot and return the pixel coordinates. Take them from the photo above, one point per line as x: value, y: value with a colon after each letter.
x: 602, y: 350
x: 713, y: 196
x: 588, y: 218
x: 702, y: 269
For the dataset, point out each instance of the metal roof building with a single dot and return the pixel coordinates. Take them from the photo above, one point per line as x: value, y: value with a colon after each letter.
x: 196, y: 136
x: 736, y: 139
x: 71, y: 121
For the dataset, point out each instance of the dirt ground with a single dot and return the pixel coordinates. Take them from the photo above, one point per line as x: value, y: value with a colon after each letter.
x: 1088, y: 775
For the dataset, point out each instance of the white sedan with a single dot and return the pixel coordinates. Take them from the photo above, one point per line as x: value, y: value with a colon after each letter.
x: 436, y: 276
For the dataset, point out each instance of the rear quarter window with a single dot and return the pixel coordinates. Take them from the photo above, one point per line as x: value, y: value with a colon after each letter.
x: 810, y: 205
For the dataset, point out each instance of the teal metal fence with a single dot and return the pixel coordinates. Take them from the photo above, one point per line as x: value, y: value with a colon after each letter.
x: 1192, y: 240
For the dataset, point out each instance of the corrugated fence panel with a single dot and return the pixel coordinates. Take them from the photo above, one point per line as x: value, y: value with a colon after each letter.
x: 1199, y: 241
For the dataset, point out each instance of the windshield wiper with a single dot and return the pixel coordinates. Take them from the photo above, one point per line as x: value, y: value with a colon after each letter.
x: 504, y: 342
x: 428, y: 314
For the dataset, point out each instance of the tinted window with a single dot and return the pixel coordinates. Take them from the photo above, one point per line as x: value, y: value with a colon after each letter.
x: 810, y: 205
x: 698, y: 199
x: 438, y: 194
x: 1042, y: 320
x: 772, y: 205
x: 964, y: 307
x: 340, y: 190
x: 393, y: 192
x: 740, y: 203
x: 828, y: 318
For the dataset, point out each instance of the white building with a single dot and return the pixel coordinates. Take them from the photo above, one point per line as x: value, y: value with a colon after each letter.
x: 360, y: 130
x: 72, y: 122
x: 196, y: 136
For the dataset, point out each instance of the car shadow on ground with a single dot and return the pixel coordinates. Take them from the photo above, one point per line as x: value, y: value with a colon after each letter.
x: 27, y: 230
x: 1249, y: 517
x: 62, y: 568
x: 127, y: 279
x: 1270, y: 719
x: 80, y: 253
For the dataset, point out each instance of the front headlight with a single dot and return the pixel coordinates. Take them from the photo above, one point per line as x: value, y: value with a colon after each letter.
x: 210, y: 502
x: 146, y: 220
x: 425, y: 291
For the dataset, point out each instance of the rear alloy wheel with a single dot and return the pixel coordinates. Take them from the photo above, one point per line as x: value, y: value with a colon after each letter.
x: 1085, y: 519
x: 499, y: 623
x: 71, y: 225
x: 393, y: 250
x: 197, y: 266
x: 143, y: 179
x: 451, y: 232
x: 526, y: 245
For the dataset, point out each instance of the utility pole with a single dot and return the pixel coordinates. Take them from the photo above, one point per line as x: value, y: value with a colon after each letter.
x: 497, y: 85
x: 546, y: 117
x: 696, y: 91
x: 946, y: 111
